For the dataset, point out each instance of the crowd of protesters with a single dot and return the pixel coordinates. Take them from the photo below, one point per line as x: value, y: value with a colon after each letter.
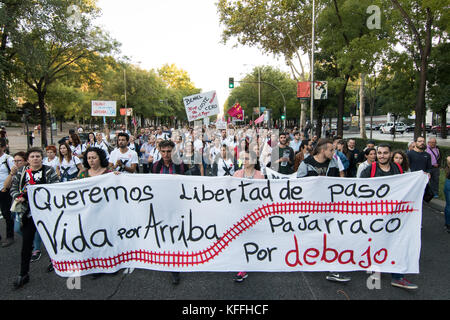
x: 243, y: 152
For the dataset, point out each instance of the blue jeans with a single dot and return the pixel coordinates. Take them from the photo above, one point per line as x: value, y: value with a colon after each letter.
x: 37, y: 238
x: 447, y: 201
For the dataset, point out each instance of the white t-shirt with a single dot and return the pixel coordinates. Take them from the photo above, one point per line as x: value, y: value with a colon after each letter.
x: 4, y: 172
x: 213, y: 152
x: 198, y: 144
x: 78, y: 150
x: 155, y: 154
x: 102, y: 145
x: 69, y: 167
x: 54, y: 163
x: 163, y: 136
x: 225, y: 166
x: 128, y: 158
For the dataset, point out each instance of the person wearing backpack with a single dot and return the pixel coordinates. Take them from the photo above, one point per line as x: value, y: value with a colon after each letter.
x: 6, y: 163
x: 381, y: 168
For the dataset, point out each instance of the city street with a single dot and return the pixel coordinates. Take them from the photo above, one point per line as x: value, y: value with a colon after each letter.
x: 433, y: 279
x: 406, y: 137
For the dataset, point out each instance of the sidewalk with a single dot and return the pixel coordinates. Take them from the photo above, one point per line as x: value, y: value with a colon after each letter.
x: 437, y: 204
x: 18, y: 140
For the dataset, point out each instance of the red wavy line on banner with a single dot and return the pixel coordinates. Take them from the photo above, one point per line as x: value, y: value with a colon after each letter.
x: 186, y: 259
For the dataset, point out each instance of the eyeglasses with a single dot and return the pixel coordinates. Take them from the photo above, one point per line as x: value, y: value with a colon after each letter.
x: 16, y: 161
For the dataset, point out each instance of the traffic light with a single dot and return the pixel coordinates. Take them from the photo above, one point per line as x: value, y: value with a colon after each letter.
x: 283, y: 116
x: 231, y: 83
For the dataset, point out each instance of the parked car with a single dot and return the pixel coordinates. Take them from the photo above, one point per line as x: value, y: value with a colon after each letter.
x: 5, y: 123
x: 411, y: 128
x: 376, y: 126
x: 437, y: 129
x: 399, y: 127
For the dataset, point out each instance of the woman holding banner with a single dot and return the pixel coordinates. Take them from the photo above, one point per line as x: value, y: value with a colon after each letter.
x: 250, y: 170
x: 95, y: 163
x: 34, y: 173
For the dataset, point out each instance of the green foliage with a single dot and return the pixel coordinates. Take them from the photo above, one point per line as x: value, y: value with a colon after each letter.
x: 247, y: 93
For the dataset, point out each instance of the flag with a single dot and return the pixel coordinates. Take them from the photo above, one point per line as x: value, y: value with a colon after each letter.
x: 260, y: 119
x: 236, y: 112
x: 303, y: 89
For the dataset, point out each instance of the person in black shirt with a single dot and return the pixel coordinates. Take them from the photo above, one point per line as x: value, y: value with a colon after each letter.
x: 353, y: 156
x: 282, y: 159
x: 322, y: 163
x: 384, y: 167
x: 418, y: 158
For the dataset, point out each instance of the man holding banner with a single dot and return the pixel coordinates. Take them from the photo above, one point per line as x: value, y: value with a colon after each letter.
x: 322, y: 163
x: 166, y: 166
x: 383, y: 167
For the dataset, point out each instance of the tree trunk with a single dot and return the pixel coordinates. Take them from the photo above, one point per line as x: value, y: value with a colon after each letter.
x: 362, y: 106
x: 41, y: 101
x: 341, y: 106
x: 303, y: 107
x: 443, y: 115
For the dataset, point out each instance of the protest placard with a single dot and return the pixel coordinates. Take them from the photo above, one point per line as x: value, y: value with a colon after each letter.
x: 187, y: 223
x: 202, y: 105
x: 104, y: 108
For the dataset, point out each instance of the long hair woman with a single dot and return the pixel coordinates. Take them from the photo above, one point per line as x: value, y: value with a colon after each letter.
x: 69, y: 165
x: 95, y: 163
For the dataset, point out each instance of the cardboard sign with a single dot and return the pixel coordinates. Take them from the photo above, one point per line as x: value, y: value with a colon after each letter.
x: 104, y: 108
x: 202, y: 105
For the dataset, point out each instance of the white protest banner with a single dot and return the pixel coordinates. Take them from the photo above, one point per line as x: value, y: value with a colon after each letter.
x: 271, y: 174
x: 202, y: 105
x: 104, y: 108
x: 188, y: 223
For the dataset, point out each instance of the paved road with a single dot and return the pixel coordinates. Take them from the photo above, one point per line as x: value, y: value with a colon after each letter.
x: 433, y: 279
x: 406, y: 137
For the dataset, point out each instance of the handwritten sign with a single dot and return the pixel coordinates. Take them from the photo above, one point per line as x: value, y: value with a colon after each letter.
x: 104, y: 108
x: 201, y: 105
x: 188, y: 223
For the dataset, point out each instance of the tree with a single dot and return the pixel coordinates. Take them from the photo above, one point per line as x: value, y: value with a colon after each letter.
x: 398, y: 85
x: 346, y: 44
x: 47, y: 47
x: 178, y: 84
x: 425, y: 21
x: 11, y: 13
